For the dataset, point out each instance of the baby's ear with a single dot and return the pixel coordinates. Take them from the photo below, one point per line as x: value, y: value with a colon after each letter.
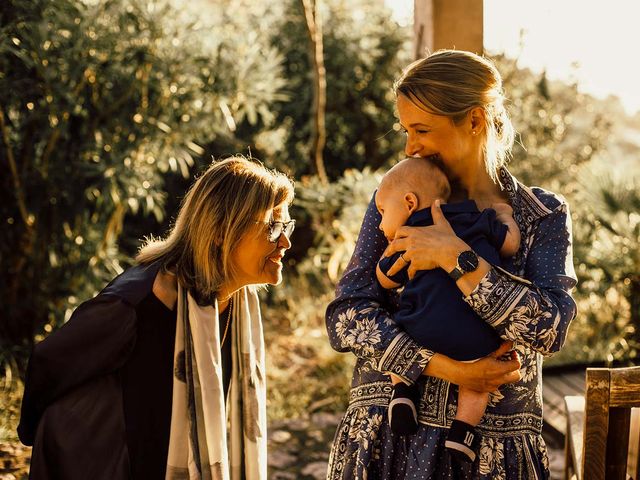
x: 411, y: 201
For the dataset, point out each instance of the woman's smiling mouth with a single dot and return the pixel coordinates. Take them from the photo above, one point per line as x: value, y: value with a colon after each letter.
x: 277, y: 259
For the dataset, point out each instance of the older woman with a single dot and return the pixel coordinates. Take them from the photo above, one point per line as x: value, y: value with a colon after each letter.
x: 450, y: 105
x: 145, y: 377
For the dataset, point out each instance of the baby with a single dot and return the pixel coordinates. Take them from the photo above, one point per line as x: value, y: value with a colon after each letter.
x: 432, y: 309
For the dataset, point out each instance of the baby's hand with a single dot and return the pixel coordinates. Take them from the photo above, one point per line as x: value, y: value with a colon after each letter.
x: 504, y: 212
x: 511, y: 244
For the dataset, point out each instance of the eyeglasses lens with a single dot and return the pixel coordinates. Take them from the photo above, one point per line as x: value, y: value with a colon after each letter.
x: 278, y: 228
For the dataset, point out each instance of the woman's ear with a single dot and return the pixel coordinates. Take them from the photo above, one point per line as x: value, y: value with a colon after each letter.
x: 476, y: 120
x: 411, y: 202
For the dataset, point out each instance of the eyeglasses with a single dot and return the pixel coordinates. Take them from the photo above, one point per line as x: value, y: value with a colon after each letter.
x: 276, y: 229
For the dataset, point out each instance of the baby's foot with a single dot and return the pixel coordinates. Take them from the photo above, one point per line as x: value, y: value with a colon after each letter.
x: 462, y: 441
x: 403, y: 411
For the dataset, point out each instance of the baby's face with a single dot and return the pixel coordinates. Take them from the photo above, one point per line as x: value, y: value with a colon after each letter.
x: 394, y: 209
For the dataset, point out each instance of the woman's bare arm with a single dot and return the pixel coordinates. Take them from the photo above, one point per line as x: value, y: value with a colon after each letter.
x: 485, y: 375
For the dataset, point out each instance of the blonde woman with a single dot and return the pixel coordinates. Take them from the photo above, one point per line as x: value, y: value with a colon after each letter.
x: 450, y: 105
x: 162, y: 374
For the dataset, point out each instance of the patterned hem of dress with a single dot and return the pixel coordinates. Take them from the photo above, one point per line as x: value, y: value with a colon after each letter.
x: 365, y: 448
x: 435, y: 394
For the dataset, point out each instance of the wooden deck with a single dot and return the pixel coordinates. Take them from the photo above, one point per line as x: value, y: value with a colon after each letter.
x: 556, y: 383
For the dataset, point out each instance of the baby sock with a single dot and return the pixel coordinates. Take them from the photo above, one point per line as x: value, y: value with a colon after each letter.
x: 403, y: 410
x: 462, y: 441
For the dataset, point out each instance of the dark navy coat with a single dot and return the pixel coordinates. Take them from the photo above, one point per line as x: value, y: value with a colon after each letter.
x: 76, y: 409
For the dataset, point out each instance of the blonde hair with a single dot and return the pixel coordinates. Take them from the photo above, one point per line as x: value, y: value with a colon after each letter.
x: 421, y: 176
x: 220, y: 207
x: 452, y: 83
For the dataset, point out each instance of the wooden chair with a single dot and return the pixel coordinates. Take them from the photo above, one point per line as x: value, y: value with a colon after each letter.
x: 600, y: 426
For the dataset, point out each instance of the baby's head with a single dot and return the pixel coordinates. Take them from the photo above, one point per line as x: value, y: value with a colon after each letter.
x: 411, y: 185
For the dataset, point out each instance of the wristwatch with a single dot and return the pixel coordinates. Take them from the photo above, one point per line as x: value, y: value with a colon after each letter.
x: 467, y: 262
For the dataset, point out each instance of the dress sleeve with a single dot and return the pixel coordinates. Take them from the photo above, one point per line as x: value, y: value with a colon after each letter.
x: 536, y: 310
x: 358, y: 320
x: 96, y: 340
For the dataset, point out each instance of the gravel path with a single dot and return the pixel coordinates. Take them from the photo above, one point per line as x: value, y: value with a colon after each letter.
x: 298, y: 450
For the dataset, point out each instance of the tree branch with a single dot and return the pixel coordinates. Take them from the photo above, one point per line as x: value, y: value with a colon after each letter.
x: 318, y: 138
x: 17, y: 185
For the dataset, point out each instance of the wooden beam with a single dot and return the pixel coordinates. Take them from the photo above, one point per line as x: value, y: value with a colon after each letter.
x: 448, y: 24
x: 625, y: 387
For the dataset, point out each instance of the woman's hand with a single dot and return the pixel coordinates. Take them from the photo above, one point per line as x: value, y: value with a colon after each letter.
x: 487, y: 374
x: 426, y: 248
x: 484, y: 375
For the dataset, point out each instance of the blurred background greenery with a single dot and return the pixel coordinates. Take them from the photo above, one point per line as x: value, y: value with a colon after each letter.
x: 108, y: 108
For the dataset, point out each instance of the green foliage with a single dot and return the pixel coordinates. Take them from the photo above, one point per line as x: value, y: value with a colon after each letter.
x: 99, y: 100
x: 364, y: 51
x: 613, y: 201
x: 336, y: 212
x: 559, y: 128
x: 607, y: 251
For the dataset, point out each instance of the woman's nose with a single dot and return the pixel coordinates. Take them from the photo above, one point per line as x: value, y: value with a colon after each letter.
x: 412, y: 147
x: 284, y: 241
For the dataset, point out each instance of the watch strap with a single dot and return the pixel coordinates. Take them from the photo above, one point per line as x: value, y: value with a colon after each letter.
x: 456, y: 273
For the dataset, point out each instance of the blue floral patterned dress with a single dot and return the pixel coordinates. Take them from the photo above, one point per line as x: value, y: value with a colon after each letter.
x: 528, y: 301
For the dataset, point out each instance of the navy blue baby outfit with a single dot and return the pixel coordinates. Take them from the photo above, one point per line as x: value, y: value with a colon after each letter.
x: 432, y: 310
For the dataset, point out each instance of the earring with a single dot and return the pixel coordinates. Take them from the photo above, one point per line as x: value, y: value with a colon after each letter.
x: 473, y: 132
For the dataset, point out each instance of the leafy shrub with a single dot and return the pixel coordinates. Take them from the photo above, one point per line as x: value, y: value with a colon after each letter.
x: 607, y: 237
x: 99, y: 101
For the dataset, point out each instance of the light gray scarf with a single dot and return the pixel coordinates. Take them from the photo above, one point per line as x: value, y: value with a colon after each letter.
x: 200, y: 445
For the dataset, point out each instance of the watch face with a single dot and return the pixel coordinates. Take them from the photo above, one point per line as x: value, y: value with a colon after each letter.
x: 468, y: 261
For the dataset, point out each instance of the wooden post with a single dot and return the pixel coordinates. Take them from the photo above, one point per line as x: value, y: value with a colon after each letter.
x: 594, y: 447
x: 448, y: 24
